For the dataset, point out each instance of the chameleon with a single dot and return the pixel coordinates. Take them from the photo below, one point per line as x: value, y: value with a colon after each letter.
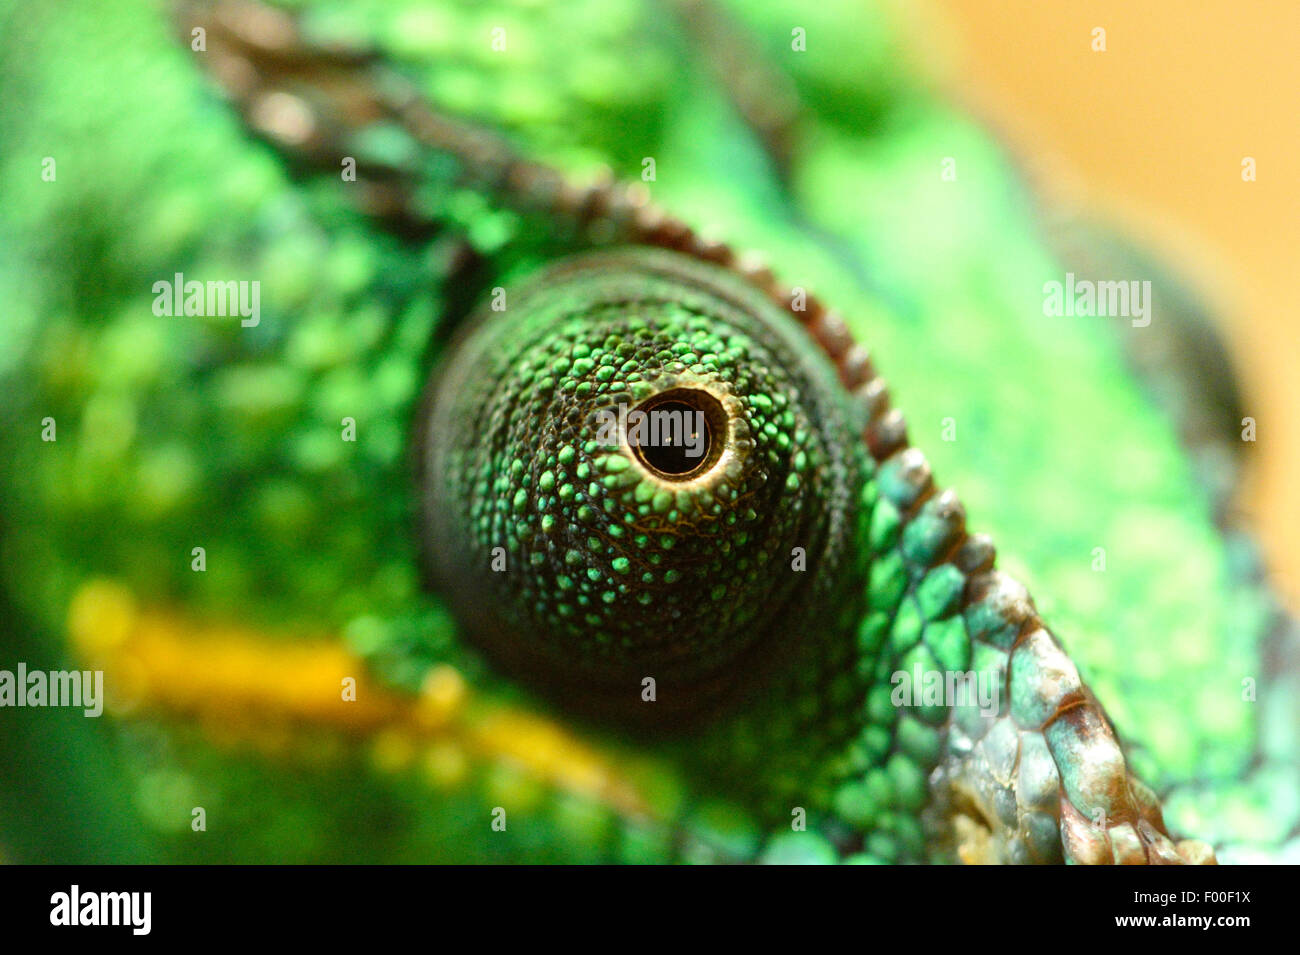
x: 363, y: 580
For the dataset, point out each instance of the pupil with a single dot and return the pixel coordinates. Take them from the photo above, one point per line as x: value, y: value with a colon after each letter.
x: 675, y: 437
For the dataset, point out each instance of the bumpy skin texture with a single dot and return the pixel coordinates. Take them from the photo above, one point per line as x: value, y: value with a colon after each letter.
x: 178, y: 432
x: 613, y: 570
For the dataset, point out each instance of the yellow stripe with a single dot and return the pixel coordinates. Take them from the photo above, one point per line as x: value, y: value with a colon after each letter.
x: 238, y: 684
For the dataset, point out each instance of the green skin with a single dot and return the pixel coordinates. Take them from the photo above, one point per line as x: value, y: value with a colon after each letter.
x: 182, y: 431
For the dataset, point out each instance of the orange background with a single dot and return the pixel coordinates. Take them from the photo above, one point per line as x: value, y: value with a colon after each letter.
x: 1152, y: 133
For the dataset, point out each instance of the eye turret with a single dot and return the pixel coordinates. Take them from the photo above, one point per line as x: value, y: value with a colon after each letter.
x: 637, y: 469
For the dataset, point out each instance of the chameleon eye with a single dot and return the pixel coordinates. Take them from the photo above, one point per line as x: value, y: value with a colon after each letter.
x: 636, y: 470
x: 686, y: 434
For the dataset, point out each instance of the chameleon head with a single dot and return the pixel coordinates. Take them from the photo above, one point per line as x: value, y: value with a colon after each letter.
x: 634, y: 469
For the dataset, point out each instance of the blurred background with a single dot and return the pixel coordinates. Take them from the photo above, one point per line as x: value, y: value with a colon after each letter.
x: 1151, y: 134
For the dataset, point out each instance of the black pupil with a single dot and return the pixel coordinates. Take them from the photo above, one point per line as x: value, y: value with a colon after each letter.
x: 676, y: 439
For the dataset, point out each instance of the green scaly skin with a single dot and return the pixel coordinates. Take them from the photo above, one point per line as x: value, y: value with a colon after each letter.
x: 184, y: 431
